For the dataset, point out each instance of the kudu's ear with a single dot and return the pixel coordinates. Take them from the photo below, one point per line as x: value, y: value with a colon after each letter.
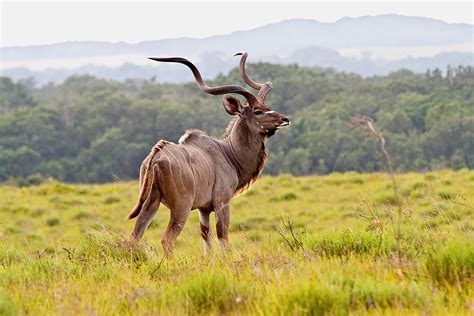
x: 232, y: 104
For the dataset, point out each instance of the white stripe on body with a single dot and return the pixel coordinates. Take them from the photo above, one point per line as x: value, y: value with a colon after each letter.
x: 179, y: 165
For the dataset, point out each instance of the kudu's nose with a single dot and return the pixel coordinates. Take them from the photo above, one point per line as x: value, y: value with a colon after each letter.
x: 285, y: 121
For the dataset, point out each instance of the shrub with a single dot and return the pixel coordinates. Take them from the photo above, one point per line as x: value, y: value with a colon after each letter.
x: 305, y: 187
x: 105, y: 245
x: 239, y: 227
x: 430, y: 177
x: 14, y: 209
x: 285, y: 180
x: 343, y: 296
x: 430, y: 224
x: 111, y: 200
x: 39, y: 212
x: 82, y: 191
x: 81, y: 215
x: 254, y: 236
x: 287, y: 196
x: 31, y: 180
x: 8, y: 255
x: 446, y: 195
x: 7, y: 307
x: 53, y: 221
x: 251, y: 223
x: 60, y: 188
x: 312, y: 299
x: 12, y: 230
x: 385, y: 198
x: 418, y: 185
x: 210, y: 292
x: 453, y: 264
x: 356, y: 180
x: 368, y: 293
x: 347, y: 243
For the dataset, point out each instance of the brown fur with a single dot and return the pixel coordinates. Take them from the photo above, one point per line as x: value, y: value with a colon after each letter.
x: 262, y: 158
x: 148, y: 179
x: 204, y: 172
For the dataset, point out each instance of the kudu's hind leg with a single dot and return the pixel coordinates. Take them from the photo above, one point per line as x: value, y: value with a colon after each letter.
x: 146, y: 214
x: 178, y: 218
x: 205, y: 229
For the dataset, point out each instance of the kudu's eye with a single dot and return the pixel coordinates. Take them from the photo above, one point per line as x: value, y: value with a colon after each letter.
x: 258, y: 112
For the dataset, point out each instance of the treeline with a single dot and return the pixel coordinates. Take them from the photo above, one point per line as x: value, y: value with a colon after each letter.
x: 92, y: 130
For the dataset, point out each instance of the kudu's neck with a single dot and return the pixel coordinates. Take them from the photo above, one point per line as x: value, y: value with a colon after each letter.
x: 247, y: 152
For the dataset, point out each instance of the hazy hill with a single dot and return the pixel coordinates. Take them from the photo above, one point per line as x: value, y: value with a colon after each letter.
x: 366, y: 45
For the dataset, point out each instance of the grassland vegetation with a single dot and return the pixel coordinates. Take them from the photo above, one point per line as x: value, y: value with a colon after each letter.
x: 298, y: 246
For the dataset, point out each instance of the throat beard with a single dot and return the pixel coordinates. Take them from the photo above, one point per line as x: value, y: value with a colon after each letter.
x: 249, y: 179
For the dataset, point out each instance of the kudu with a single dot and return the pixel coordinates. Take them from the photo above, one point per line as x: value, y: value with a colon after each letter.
x: 204, y: 172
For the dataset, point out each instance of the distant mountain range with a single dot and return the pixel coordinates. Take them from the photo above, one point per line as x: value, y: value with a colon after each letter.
x: 365, y: 45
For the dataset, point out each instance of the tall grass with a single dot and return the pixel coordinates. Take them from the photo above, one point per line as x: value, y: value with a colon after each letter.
x: 331, y: 250
x: 452, y: 264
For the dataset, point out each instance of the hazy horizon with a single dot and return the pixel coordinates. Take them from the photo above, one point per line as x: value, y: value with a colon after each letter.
x: 56, y: 22
x: 50, y: 41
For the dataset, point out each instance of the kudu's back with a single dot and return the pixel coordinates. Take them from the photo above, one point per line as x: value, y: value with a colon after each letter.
x: 183, y: 173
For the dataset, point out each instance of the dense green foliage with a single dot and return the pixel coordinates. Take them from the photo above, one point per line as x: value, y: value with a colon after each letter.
x: 91, y: 130
x: 319, y: 245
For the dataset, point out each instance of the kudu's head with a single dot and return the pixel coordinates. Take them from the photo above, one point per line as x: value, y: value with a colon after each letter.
x: 255, y: 111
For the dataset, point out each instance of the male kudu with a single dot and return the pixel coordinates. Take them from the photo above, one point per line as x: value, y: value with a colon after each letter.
x: 204, y: 172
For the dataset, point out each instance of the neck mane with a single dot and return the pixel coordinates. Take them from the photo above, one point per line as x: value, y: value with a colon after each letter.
x: 246, y: 152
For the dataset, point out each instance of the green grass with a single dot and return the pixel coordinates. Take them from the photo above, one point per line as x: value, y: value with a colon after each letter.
x: 298, y: 246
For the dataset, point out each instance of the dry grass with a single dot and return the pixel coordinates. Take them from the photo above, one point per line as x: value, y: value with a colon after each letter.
x: 309, y: 245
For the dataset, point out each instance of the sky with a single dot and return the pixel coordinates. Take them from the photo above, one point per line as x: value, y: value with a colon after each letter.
x: 39, y: 22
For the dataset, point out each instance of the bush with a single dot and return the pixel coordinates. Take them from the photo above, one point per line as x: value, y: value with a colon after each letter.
x: 82, y: 215
x: 385, y: 198
x: 356, y: 180
x: 343, y: 244
x: 105, y: 245
x: 419, y: 185
x: 343, y: 296
x: 312, y: 299
x: 7, y: 307
x: 111, y: 200
x: 210, y: 292
x: 446, y: 195
x: 430, y: 177
x: 8, y: 255
x: 12, y: 230
x: 53, y: 221
x: 32, y: 180
x: 287, y: 196
x: 367, y: 293
x: 453, y: 264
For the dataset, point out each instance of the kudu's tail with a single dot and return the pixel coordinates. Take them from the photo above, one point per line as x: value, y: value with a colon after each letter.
x: 148, y: 192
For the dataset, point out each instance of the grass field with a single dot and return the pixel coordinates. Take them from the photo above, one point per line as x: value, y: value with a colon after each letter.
x: 310, y: 245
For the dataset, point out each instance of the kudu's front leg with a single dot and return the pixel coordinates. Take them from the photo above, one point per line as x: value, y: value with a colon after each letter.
x: 204, y: 223
x: 222, y: 225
